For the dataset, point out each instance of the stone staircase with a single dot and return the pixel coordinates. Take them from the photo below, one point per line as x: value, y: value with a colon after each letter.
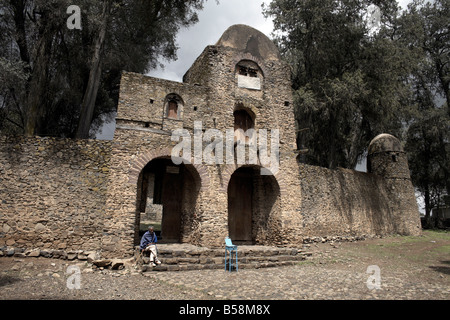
x: 183, y: 257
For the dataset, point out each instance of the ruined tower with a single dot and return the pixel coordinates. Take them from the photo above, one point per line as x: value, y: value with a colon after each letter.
x: 387, y: 159
x: 248, y: 82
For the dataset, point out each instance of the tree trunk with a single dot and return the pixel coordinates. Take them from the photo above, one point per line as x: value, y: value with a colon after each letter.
x: 37, y: 88
x: 19, y: 21
x: 90, y: 95
x: 428, y: 222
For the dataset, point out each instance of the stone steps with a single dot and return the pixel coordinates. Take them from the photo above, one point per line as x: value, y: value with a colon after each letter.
x: 186, y: 257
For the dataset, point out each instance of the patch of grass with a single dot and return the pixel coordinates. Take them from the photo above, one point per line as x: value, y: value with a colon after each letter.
x: 430, y: 246
x: 437, y: 234
x: 305, y: 263
x: 443, y: 249
x: 427, y: 236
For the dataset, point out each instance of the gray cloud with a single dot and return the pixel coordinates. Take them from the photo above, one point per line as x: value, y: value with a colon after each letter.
x: 214, y: 19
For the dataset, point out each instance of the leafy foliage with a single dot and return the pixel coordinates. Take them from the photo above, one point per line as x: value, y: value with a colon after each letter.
x: 425, y: 26
x: 352, y: 81
x: 345, y: 75
x: 47, y: 65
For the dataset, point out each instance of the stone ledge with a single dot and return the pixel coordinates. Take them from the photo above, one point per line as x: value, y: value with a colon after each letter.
x: 241, y: 265
x: 183, y: 257
x: 82, y: 255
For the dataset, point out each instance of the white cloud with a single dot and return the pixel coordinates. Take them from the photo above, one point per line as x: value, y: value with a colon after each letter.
x: 404, y: 3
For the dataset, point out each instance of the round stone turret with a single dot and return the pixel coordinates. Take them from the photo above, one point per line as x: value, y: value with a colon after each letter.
x: 387, y: 158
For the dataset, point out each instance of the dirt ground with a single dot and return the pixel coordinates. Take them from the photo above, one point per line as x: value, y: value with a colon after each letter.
x: 428, y: 255
x: 408, y: 268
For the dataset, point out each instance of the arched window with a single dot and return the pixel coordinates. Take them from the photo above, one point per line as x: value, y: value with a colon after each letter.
x: 173, y: 107
x: 243, y: 121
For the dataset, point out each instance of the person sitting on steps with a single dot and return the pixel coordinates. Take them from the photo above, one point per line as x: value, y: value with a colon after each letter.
x: 148, y: 244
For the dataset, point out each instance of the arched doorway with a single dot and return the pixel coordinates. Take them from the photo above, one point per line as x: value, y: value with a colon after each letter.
x: 166, y: 199
x: 253, y: 207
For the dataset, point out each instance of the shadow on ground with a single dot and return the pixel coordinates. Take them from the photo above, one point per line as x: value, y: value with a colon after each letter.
x: 7, y: 279
x: 442, y: 269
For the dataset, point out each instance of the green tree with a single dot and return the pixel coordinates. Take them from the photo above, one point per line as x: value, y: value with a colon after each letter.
x: 428, y: 150
x: 347, y: 78
x: 425, y: 27
x: 70, y: 78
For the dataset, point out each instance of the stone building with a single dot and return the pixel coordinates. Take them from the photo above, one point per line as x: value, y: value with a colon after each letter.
x: 93, y: 195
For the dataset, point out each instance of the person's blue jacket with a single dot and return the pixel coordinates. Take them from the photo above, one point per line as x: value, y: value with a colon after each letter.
x: 148, y: 238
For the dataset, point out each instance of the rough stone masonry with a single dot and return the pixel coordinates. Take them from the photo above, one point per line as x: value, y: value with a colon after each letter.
x: 62, y: 194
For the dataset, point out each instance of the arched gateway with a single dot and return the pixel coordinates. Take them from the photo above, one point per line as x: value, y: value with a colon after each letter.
x: 166, y: 198
x: 253, y: 206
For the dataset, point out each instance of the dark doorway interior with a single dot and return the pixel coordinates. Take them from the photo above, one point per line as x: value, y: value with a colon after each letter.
x: 253, y: 207
x: 240, y: 202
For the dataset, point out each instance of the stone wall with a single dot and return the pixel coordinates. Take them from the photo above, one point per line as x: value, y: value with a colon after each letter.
x: 386, y: 158
x: 272, y: 106
x: 143, y: 103
x: 53, y: 192
x: 71, y: 195
x: 349, y: 203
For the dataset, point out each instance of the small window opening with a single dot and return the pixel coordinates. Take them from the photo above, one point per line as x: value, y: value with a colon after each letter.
x: 286, y: 103
x: 173, y: 109
x: 249, y: 75
x: 248, y: 72
x: 243, y: 71
x: 252, y: 73
x: 152, y: 101
x: 147, y: 125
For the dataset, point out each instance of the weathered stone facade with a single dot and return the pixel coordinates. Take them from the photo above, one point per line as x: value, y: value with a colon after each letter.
x: 90, y: 195
x: 53, y: 192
